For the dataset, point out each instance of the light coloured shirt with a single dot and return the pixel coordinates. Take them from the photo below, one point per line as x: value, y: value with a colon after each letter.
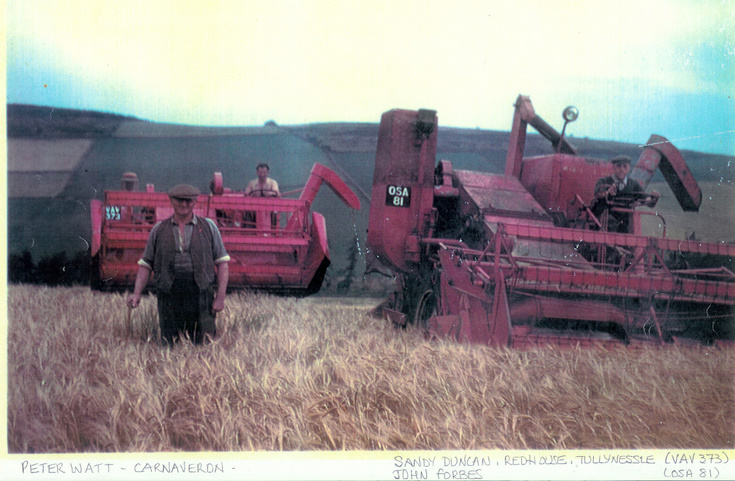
x: 620, y: 184
x: 263, y: 190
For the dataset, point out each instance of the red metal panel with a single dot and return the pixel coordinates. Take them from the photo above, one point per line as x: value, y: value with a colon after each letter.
x: 96, y: 212
x: 560, y: 280
x: 396, y: 317
x: 523, y: 113
x: 260, y: 278
x: 319, y: 174
x: 460, y: 297
x: 537, y: 175
x: 403, y: 184
x: 318, y: 251
x: 556, y: 180
x: 128, y: 235
x: 238, y: 242
x: 267, y: 270
x: 498, y: 194
x: 127, y: 198
x: 499, y: 321
x: 584, y: 310
x: 611, y: 238
x: 319, y: 232
x: 239, y: 202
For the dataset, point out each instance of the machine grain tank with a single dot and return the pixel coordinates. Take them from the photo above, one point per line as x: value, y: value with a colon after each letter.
x: 276, y: 245
x: 519, y: 259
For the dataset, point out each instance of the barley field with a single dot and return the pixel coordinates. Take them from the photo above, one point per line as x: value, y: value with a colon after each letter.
x: 88, y: 375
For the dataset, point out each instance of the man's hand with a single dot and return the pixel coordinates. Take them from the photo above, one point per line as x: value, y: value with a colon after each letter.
x: 218, y: 304
x: 133, y: 300
x: 141, y: 279
x: 655, y: 195
x: 223, y: 275
x: 611, y: 191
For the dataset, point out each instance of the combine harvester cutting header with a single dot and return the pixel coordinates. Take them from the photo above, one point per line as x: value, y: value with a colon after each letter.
x: 275, y: 244
x: 521, y: 259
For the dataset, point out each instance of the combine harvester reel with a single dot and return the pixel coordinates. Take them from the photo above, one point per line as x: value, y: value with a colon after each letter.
x: 276, y: 244
x: 520, y: 260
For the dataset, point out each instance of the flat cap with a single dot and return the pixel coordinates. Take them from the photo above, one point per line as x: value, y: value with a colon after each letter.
x: 621, y: 159
x: 183, y: 191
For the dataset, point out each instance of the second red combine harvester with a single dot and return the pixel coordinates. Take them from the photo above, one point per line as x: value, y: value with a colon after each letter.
x: 276, y: 245
x: 520, y: 259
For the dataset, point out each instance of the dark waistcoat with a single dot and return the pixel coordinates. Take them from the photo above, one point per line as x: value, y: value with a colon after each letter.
x: 200, y: 249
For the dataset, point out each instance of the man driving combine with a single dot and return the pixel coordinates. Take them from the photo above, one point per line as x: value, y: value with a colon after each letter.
x: 190, y: 270
x: 262, y: 186
x: 621, y: 192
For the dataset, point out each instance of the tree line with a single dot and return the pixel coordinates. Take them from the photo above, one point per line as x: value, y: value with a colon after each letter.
x: 55, y: 270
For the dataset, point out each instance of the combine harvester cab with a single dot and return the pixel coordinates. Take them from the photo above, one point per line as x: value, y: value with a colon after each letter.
x: 276, y: 245
x: 521, y: 260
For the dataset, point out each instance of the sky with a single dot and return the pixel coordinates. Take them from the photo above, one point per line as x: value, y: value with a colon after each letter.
x: 632, y: 68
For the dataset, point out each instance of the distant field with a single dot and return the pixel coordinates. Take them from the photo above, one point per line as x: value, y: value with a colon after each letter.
x: 52, y: 155
x: 43, y: 168
x: 141, y: 129
x: 715, y: 221
x: 37, y: 185
x: 86, y: 375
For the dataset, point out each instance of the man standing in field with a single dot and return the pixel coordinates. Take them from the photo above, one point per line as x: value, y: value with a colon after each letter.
x: 190, y: 270
x: 262, y: 186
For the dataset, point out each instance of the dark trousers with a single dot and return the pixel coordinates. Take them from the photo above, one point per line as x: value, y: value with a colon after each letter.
x: 187, y: 311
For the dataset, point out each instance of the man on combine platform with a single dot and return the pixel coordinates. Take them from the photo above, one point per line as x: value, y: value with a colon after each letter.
x: 262, y: 186
x: 190, y: 270
x: 618, y: 190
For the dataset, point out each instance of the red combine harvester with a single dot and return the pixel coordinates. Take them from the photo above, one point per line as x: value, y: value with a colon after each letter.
x: 275, y: 244
x: 521, y: 260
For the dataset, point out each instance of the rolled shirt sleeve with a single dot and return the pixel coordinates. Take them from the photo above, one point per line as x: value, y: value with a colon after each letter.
x: 218, y: 248
x: 148, y: 253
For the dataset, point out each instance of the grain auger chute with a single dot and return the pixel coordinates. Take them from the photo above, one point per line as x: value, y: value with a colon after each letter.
x: 276, y: 245
x: 520, y: 259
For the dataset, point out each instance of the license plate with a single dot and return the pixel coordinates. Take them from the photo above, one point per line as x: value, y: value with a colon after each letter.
x: 398, y: 196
